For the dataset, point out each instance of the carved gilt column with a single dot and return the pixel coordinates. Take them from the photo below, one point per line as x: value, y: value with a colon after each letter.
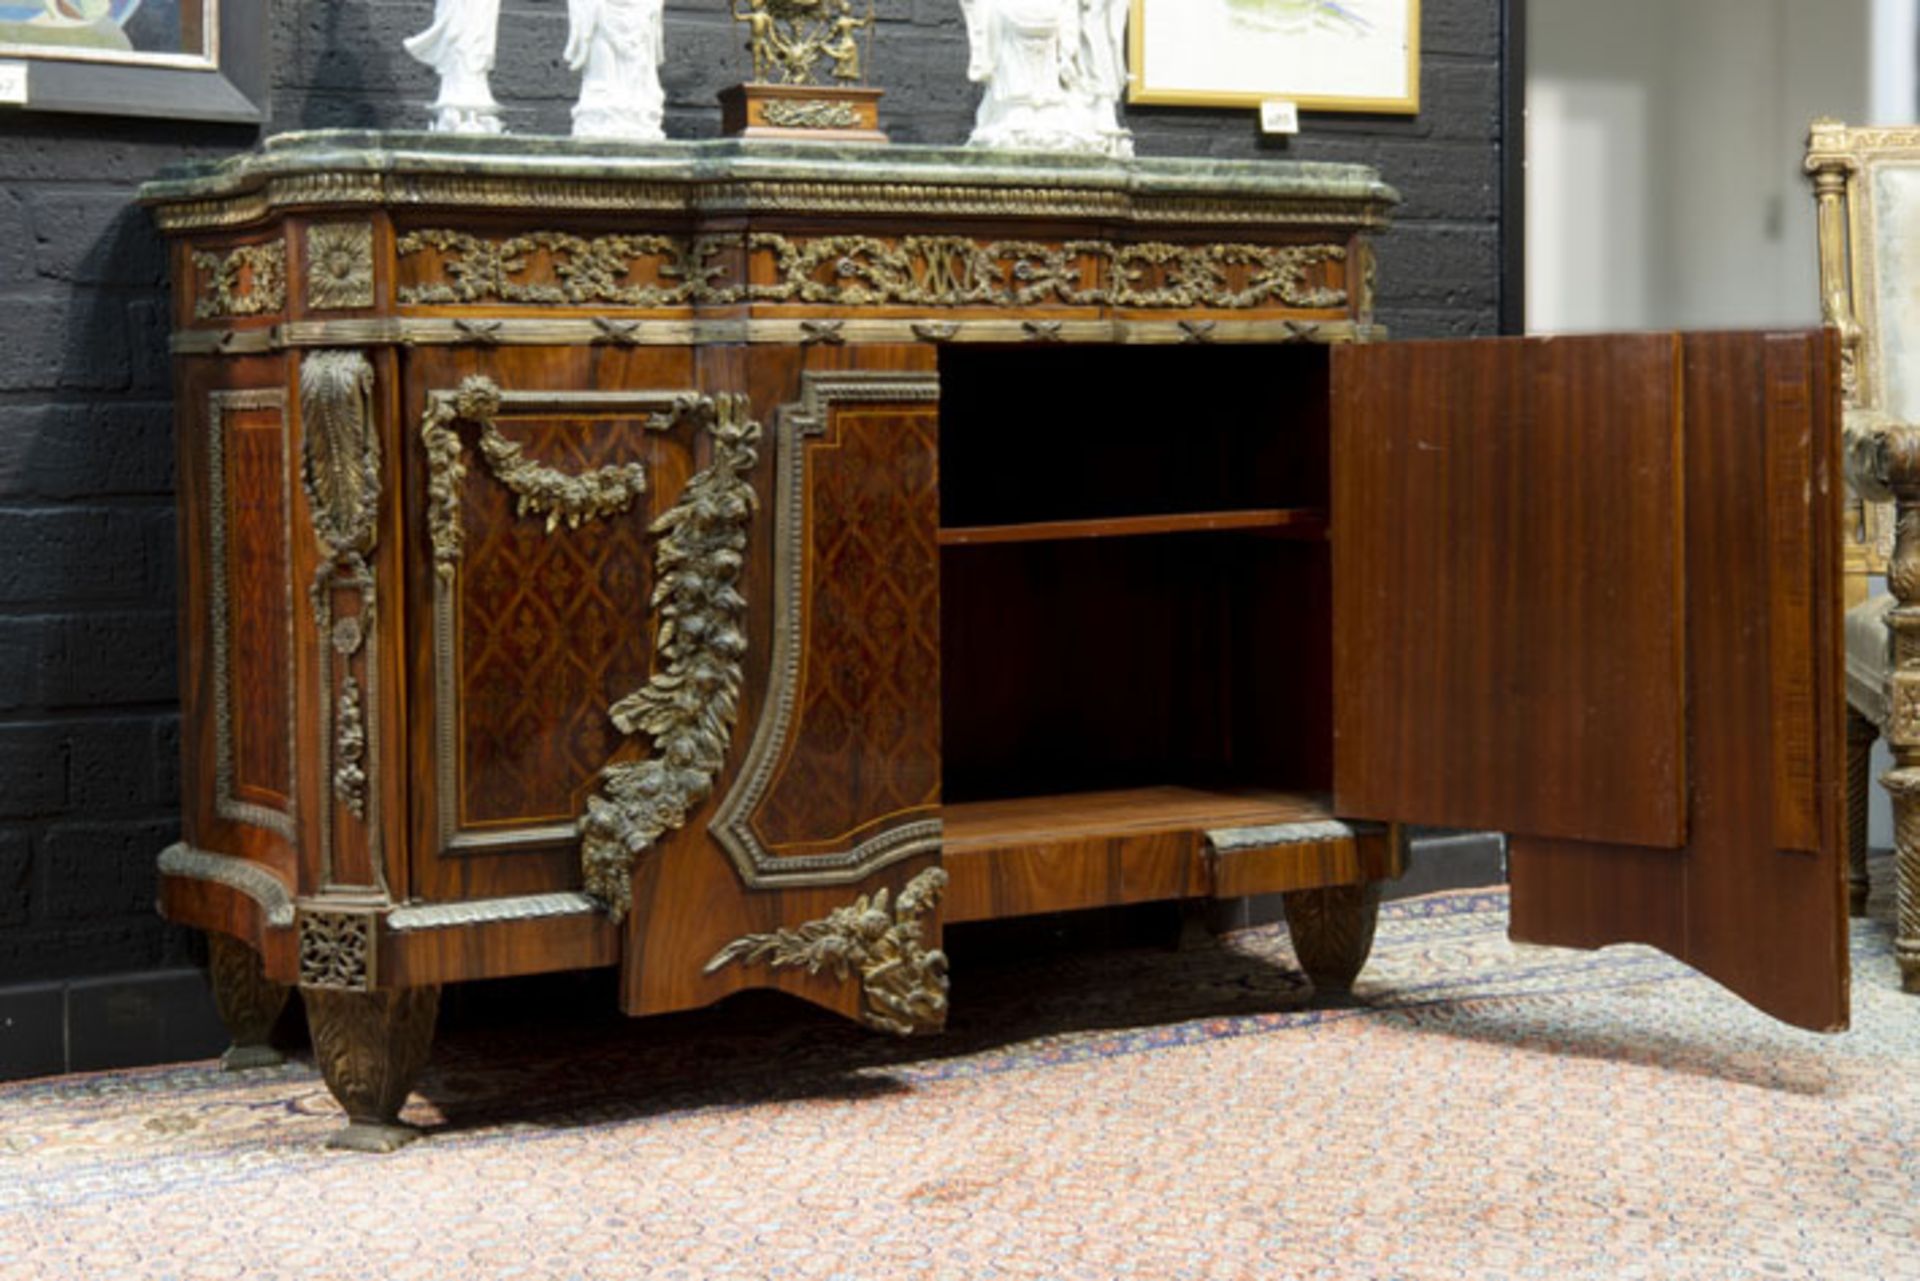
x: 1900, y: 468
x: 1832, y: 165
x: 1862, y: 734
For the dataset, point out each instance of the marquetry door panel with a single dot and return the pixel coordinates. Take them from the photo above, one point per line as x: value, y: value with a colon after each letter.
x: 237, y: 598
x: 817, y: 871
x: 251, y: 613
x: 1587, y: 592
x: 535, y: 478
x: 843, y: 777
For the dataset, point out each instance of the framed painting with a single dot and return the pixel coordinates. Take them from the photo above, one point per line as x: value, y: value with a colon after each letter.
x: 1325, y: 55
x: 183, y: 59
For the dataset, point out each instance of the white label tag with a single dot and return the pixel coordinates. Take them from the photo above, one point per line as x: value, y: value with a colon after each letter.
x: 13, y: 82
x: 1279, y: 117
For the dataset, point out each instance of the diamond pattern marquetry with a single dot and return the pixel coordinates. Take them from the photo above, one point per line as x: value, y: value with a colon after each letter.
x: 866, y: 737
x: 551, y: 626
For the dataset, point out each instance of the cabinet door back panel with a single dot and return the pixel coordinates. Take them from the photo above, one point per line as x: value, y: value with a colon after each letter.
x: 1507, y: 579
x: 1758, y: 900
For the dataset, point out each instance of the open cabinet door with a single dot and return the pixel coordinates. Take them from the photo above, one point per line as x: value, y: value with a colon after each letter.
x: 1586, y: 592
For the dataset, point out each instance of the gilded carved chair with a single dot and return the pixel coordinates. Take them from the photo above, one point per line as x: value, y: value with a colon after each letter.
x: 1867, y: 185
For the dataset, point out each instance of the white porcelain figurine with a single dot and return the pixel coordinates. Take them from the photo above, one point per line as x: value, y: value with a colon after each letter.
x: 617, y: 46
x: 459, y: 45
x: 1103, y: 71
x: 1054, y: 71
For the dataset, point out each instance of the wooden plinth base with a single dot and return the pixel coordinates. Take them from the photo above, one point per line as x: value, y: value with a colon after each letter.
x: 819, y: 113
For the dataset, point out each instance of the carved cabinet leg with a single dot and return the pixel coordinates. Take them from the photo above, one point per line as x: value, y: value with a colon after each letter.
x: 1901, y: 456
x: 249, y: 1002
x: 371, y: 1046
x: 1861, y: 735
x: 1332, y: 932
x: 1903, y: 785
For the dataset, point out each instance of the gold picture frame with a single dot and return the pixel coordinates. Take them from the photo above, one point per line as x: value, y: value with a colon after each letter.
x: 1322, y: 55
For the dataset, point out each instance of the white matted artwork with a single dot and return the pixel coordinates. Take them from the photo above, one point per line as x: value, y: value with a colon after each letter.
x: 1336, y: 55
x: 134, y: 33
x: 170, y: 59
x: 1896, y: 290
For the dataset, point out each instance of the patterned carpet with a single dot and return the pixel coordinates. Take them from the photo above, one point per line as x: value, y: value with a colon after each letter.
x: 1481, y: 1111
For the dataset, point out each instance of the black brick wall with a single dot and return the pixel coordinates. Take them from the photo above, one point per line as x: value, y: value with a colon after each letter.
x: 88, y: 726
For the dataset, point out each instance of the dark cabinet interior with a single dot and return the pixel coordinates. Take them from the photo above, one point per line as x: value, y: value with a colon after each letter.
x: 1135, y: 583
x: 1044, y: 433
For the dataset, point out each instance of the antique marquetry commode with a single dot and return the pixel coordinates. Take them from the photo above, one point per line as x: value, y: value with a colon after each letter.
x: 729, y: 562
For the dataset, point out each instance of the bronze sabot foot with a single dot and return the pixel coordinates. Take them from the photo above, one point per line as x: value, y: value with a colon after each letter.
x: 371, y: 1047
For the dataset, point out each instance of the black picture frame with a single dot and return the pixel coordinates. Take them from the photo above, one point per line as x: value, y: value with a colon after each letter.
x: 1513, y: 166
x: 234, y: 91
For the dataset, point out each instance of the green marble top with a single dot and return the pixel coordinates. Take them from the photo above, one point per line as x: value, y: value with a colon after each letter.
x: 699, y: 164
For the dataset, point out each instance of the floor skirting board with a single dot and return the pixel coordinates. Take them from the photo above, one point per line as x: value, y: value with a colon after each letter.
x: 108, y: 1021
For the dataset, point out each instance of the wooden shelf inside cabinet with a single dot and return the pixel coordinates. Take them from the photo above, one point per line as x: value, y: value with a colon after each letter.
x: 1137, y: 845
x: 1289, y: 522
